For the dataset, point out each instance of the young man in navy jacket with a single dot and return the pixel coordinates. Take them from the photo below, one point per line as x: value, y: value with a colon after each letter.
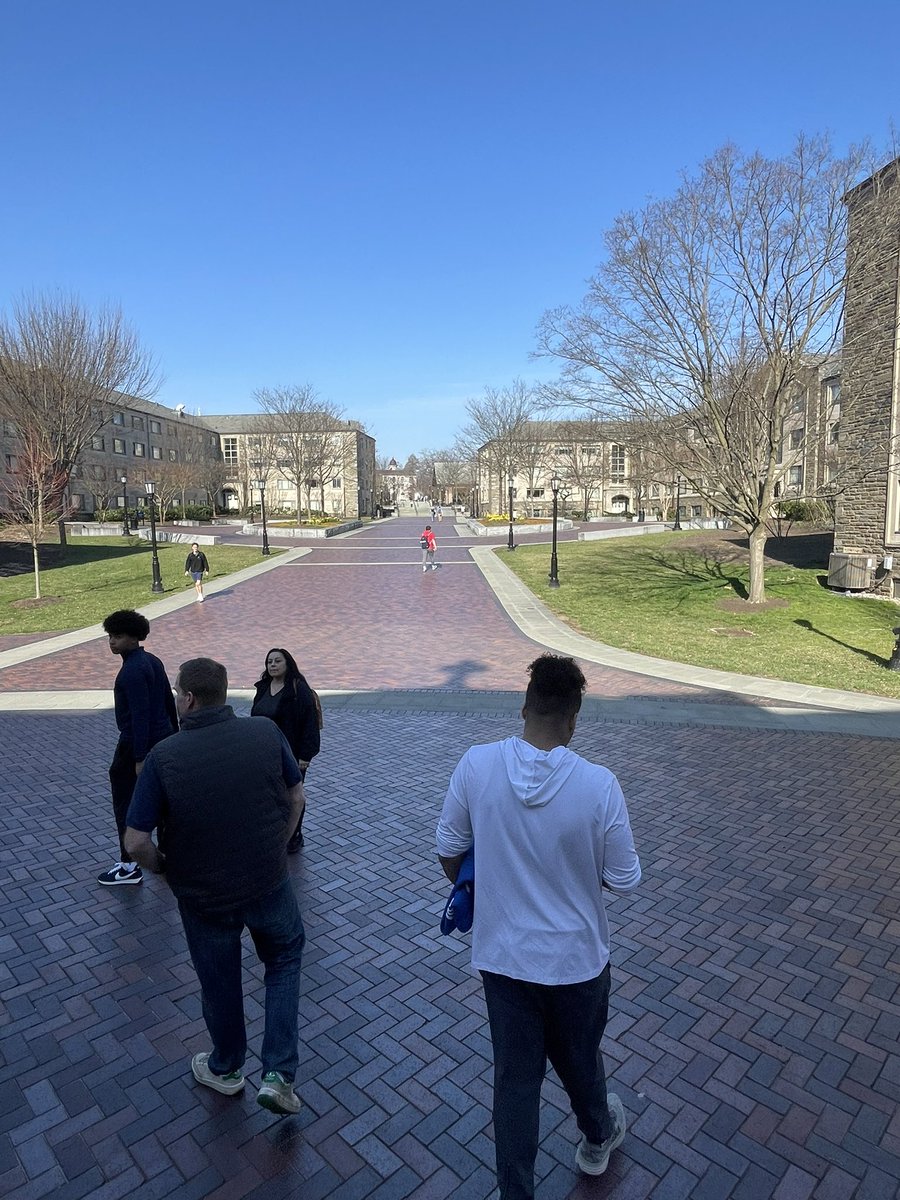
x: 145, y: 714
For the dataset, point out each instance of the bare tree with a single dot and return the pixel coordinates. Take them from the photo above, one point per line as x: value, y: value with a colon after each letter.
x: 35, y: 495
x: 61, y: 369
x: 303, y: 424
x: 494, y: 433
x: 709, y: 307
x: 581, y: 457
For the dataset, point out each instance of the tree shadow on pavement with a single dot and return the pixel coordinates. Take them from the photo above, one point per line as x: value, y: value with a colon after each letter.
x: 460, y: 674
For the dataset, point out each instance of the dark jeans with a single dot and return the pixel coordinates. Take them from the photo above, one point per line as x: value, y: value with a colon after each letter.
x: 214, y: 941
x: 121, y: 783
x: 531, y: 1022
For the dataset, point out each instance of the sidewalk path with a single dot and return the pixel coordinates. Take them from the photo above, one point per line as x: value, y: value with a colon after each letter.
x: 756, y: 1000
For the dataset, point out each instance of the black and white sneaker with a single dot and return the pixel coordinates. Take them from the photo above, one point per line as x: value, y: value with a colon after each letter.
x: 121, y: 872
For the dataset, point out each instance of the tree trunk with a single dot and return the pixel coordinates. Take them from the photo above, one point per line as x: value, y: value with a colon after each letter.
x: 37, y: 571
x: 757, y: 565
x: 61, y: 526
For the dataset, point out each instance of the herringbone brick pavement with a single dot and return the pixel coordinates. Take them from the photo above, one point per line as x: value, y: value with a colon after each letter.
x: 755, y: 1011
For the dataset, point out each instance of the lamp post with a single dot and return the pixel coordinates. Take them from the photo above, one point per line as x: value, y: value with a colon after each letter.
x: 677, y: 522
x: 554, y: 566
x: 261, y: 484
x: 510, y: 544
x: 124, y: 482
x: 157, y: 585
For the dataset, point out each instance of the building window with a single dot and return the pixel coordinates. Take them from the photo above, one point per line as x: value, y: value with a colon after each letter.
x: 535, y: 493
x: 336, y: 482
x: 75, y: 501
x: 795, y: 476
x: 696, y: 510
x: 11, y: 463
x: 230, y: 451
x: 138, y: 449
x: 617, y: 463
x: 832, y: 391
x: 155, y: 452
x: 155, y: 427
x: 796, y: 438
x: 118, y: 445
x: 173, y: 456
x: 798, y: 404
x: 118, y: 418
x: 834, y: 433
x: 283, y: 485
x: 137, y: 422
x: 97, y: 443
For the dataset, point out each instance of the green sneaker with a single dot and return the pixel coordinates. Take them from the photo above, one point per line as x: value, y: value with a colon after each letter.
x: 228, y: 1085
x: 277, y: 1095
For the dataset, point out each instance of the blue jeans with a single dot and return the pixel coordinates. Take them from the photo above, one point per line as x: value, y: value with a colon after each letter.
x: 214, y: 941
x: 531, y: 1022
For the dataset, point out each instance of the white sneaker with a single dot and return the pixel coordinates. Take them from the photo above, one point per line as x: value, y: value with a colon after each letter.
x: 121, y: 872
x: 594, y: 1159
x: 200, y: 599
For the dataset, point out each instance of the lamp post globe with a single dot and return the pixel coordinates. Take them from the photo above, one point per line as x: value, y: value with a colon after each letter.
x: 157, y: 584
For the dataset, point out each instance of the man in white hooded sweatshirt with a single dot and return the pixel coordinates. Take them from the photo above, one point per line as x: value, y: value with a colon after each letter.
x: 550, y: 831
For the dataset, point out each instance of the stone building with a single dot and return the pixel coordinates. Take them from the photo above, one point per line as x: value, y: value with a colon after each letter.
x: 338, y: 480
x: 868, y: 509
x: 140, y: 441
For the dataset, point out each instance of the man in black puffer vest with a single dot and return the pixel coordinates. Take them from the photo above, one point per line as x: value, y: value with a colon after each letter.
x: 230, y: 794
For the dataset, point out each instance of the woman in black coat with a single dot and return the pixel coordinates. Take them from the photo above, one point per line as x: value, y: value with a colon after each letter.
x: 284, y: 696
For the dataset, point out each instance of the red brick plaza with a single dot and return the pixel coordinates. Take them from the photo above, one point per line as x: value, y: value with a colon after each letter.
x: 755, y: 1011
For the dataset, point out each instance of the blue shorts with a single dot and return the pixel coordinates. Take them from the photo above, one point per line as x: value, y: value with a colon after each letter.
x: 196, y: 576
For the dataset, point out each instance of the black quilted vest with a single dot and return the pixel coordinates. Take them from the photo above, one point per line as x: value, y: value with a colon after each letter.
x: 226, y: 808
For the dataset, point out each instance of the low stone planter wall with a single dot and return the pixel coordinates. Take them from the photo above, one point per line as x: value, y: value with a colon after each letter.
x: 94, y: 528
x: 173, y: 535
x: 291, y: 531
x: 593, y: 535
x: 518, y: 526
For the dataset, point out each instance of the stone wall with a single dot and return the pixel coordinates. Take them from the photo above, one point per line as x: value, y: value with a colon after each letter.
x: 868, y: 384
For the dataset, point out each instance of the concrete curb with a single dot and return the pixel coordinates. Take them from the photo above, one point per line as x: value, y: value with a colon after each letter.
x: 537, y: 622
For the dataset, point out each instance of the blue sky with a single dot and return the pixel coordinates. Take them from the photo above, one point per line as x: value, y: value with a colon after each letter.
x: 381, y: 198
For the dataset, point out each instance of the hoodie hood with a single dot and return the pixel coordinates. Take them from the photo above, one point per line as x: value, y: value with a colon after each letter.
x: 536, y: 775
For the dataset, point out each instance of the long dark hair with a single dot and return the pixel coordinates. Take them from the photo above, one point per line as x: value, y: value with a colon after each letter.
x: 292, y: 675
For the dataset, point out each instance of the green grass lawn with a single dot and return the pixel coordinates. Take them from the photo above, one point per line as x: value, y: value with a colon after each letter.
x: 661, y: 595
x: 94, y: 576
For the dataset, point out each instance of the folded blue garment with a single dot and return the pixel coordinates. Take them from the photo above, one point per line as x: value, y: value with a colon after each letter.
x: 459, y: 910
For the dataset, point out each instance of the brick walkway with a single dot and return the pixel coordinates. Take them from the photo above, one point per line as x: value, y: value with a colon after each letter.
x: 755, y: 1011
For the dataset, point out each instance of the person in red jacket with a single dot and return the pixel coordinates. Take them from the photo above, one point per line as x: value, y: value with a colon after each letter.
x: 429, y: 545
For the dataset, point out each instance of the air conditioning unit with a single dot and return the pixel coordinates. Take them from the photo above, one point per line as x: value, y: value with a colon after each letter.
x: 851, y: 572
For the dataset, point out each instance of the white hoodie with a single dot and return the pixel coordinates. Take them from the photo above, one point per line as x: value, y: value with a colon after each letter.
x: 549, y: 828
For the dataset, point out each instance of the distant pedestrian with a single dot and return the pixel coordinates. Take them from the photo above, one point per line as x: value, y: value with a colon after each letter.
x: 550, y: 831
x: 429, y: 546
x: 231, y: 793
x: 145, y: 714
x: 434, y: 513
x: 284, y: 696
x: 196, y: 565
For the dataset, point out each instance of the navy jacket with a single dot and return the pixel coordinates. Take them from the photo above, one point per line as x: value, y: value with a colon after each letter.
x: 145, y: 706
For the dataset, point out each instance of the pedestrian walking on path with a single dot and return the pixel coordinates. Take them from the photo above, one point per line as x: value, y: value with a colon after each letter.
x: 231, y: 792
x: 284, y: 696
x: 145, y: 714
x: 429, y: 546
x: 197, y: 565
x: 550, y: 831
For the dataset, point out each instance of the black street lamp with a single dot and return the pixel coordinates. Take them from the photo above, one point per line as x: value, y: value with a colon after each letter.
x: 157, y: 585
x: 124, y: 482
x: 554, y: 566
x: 677, y: 523
x: 510, y: 544
x: 261, y: 484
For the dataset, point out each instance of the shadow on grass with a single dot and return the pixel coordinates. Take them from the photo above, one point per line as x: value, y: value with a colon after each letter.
x: 16, y: 557
x: 878, y: 659
x: 698, y: 568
